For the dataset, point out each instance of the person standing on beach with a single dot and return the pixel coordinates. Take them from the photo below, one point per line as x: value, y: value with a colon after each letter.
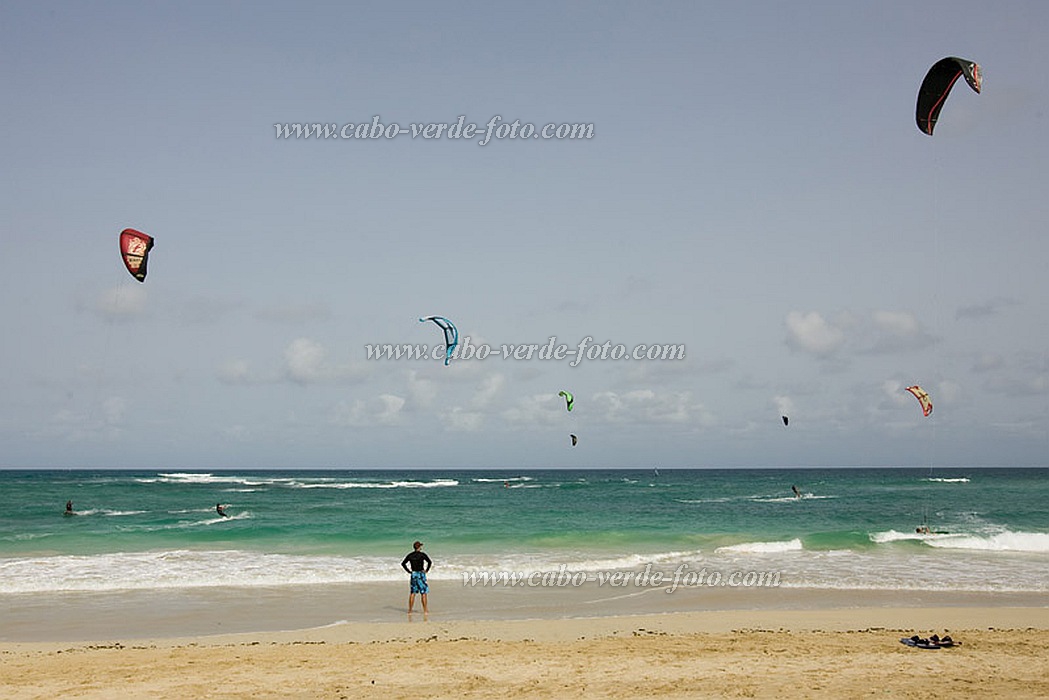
x: 419, y: 564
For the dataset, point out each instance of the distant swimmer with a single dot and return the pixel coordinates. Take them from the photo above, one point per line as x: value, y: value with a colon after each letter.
x: 797, y: 494
x: 221, y: 510
x: 926, y: 530
x: 69, y: 507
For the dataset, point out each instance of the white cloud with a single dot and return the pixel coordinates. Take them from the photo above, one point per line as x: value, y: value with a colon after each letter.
x: 235, y: 372
x: 384, y: 409
x: 120, y: 303
x: 894, y: 390
x: 892, y: 331
x: 306, y: 362
x: 421, y: 389
x: 389, y: 408
x: 897, y: 323
x: 811, y: 333
x: 877, y: 332
x: 648, y: 406
x: 101, y: 423
x: 488, y: 390
x: 538, y: 409
x: 987, y: 362
x: 462, y: 420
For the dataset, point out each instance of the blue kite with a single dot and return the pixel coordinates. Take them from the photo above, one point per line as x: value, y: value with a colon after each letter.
x: 451, y: 334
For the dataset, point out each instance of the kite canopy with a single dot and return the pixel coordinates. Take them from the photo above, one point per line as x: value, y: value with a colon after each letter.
x: 134, y: 250
x: 937, y: 86
x: 451, y: 334
x: 923, y: 398
x: 786, y: 421
x: 569, y: 399
x: 574, y: 440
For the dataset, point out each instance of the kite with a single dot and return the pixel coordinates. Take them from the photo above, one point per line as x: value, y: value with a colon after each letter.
x: 574, y: 439
x: 569, y: 399
x: 937, y: 86
x: 451, y: 334
x: 134, y: 249
x: 786, y: 421
x: 923, y: 398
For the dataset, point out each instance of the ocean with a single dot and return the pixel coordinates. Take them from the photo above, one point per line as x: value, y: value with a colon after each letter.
x: 850, y: 529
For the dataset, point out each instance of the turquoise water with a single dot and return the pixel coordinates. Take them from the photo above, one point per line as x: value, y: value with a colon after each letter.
x: 851, y: 528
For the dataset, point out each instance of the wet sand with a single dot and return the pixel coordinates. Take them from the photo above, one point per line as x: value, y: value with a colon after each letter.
x: 122, y: 615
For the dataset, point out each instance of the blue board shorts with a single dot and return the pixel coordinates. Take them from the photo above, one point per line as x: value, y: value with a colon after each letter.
x: 418, y: 583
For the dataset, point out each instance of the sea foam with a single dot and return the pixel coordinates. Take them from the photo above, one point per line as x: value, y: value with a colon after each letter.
x: 1000, y: 542
x: 793, y: 545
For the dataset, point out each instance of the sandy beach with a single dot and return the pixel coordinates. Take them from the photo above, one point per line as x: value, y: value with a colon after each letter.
x: 852, y: 652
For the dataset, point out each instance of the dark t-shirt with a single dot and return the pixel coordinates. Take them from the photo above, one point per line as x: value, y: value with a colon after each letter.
x: 416, y: 559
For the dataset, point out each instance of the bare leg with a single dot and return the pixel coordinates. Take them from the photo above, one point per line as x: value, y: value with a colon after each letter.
x: 411, y: 603
x: 426, y: 610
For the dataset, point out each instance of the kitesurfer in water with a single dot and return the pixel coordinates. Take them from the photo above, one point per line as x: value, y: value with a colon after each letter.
x: 69, y: 507
x: 221, y: 510
x: 797, y: 494
x: 420, y: 564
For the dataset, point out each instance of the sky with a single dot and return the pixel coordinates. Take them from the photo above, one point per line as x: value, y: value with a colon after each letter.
x: 754, y: 188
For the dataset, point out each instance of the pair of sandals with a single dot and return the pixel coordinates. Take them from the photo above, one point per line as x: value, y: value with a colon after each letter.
x: 933, y: 642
